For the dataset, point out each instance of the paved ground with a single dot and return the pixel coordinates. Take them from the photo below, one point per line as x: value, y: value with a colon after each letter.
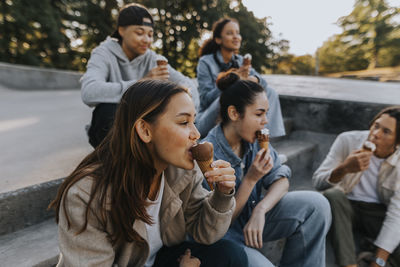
x: 42, y: 136
x: 334, y: 88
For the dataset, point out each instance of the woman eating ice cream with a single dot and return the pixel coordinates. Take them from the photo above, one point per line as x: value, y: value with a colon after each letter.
x: 302, y: 217
x: 219, y: 54
x: 136, y: 197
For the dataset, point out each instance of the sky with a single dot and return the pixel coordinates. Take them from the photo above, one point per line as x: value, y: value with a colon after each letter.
x: 305, y: 23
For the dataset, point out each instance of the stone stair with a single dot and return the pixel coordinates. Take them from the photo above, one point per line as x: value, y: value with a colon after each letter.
x: 36, y: 245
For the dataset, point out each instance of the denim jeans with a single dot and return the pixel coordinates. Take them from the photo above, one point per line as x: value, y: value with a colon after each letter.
x: 303, y: 218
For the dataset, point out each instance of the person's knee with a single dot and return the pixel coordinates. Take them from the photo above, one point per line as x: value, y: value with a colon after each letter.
x: 234, y: 253
x: 315, y: 208
x: 334, y: 195
x: 321, y: 207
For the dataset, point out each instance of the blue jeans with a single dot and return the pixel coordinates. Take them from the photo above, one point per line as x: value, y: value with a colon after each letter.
x: 207, y: 119
x: 303, y: 218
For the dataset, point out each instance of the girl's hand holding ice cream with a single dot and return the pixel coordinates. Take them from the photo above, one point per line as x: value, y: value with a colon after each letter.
x: 223, y: 175
x: 261, y: 166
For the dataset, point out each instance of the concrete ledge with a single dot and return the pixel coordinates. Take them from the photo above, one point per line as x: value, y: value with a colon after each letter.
x: 328, y: 115
x: 26, y: 206
x: 33, y: 78
x: 300, y: 156
x: 33, y: 246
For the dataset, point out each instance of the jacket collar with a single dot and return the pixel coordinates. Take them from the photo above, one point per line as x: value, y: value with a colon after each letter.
x: 233, y: 63
x: 176, y: 180
x: 226, y: 149
x: 394, y: 159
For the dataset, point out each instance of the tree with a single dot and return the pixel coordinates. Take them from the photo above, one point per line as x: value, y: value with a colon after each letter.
x: 336, y: 56
x: 296, y: 65
x: 370, y: 25
x: 62, y: 33
x: 32, y: 33
x: 180, y: 23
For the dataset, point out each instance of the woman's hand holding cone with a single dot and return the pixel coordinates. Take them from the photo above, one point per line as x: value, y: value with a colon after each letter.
x: 223, y: 175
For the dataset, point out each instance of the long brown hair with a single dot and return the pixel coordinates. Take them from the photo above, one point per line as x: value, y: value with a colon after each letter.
x: 121, y: 166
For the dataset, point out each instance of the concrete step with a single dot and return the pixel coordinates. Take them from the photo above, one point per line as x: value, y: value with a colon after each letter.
x: 300, y: 155
x: 288, y: 124
x: 36, y: 245
x: 26, y: 206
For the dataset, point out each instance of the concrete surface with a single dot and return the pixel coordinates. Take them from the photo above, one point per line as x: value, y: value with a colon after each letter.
x: 33, y: 78
x: 334, y: 88
x: 42, y: 136
x: 27, y: 206
x: 33, y: 246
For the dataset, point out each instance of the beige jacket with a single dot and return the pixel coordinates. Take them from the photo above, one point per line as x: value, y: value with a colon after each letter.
x: 186, y: 207
x: 388, y: 183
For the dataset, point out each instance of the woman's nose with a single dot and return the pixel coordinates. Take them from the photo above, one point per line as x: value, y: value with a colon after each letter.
x: 265, y: 120
x: 194, y: 134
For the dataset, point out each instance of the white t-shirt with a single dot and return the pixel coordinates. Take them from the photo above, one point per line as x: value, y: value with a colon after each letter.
x: 366, y: 189
x: 153, y: 231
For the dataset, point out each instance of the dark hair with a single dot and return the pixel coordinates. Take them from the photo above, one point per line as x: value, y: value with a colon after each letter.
x: 210, y: 46
x: 394, y: 112
x: 235, y: 92
x: 122, y: 167
x: 131, y: 14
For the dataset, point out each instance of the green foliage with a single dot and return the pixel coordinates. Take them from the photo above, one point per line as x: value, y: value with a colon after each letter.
x: 61, y: 33
x: 334, y: 56
x: 48, y: 32
x: 180, y: 25
x: 297, y: 65
x: 370, y: 38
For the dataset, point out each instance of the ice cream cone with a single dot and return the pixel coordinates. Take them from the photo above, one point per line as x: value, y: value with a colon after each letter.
x: 161, y: 62
x: 263, y: 138
x: 368, y: 146
x: 247, y: 59
x: 205, y: 166
x: 203, y: 153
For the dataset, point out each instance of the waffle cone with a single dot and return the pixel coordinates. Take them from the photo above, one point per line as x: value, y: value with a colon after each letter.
x: 205, y: 166
x: 264, y: 144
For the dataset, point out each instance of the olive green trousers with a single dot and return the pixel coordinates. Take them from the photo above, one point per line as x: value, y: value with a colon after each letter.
x: 350, y: 216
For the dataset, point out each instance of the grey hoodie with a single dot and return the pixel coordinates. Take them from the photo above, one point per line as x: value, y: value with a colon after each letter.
x: 110, y: 73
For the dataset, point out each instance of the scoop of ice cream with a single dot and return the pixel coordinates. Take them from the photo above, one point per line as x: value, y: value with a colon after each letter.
x: 203, y: 151
x: 262, y: 135
x: 248, y: 56
x: 247, y: 59
x: 368, y: 145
